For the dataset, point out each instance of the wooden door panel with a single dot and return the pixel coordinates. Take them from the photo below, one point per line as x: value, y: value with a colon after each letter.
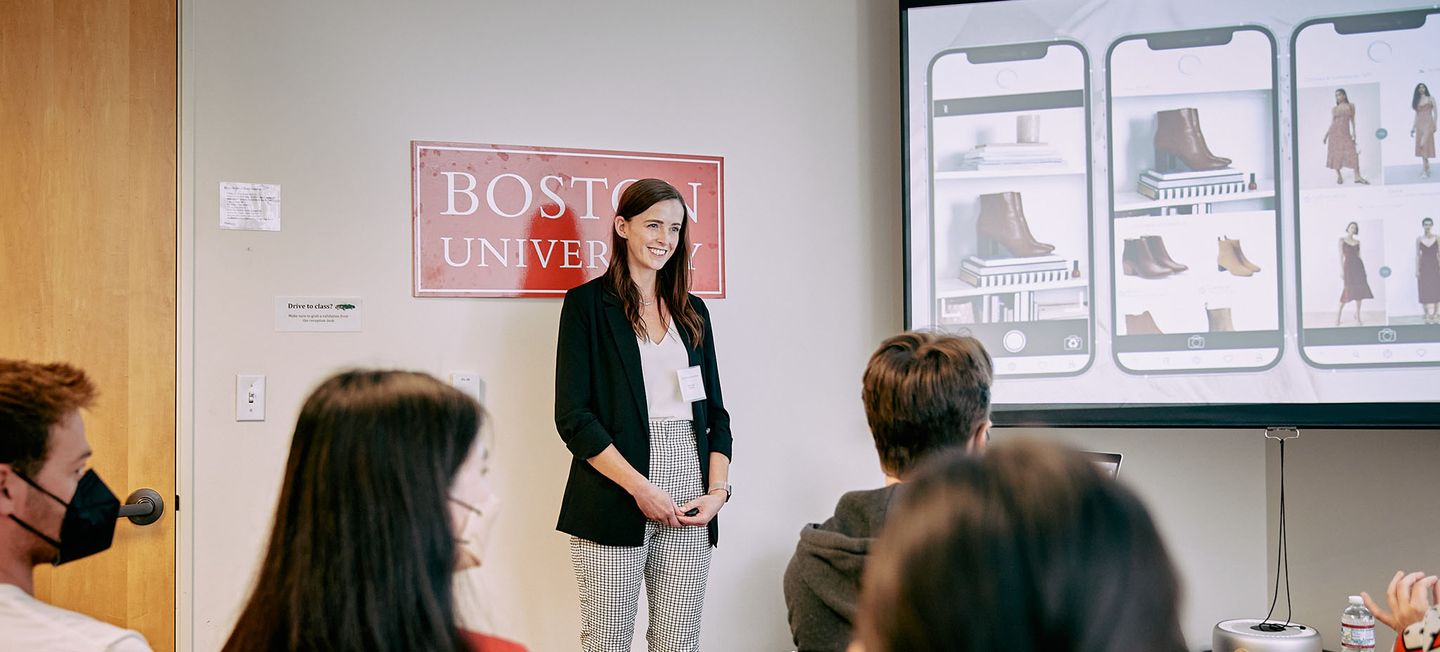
x: 87, y: 262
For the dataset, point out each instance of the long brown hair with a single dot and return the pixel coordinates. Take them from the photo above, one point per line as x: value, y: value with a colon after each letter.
x: 672, y: 282
x: 1028, y: 548
x: 362, y: 550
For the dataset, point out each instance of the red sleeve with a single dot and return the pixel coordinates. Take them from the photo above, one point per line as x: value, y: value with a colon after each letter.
x: 482, y: 643
x: 1423, y: 636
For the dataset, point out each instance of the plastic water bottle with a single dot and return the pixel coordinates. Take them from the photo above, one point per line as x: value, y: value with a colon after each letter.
x: 1357, y: 627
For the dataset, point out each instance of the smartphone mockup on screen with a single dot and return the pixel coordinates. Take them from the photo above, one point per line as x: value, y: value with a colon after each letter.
x: 1194, y: 228
x: 1367, y: 194
x: 1009, y: 233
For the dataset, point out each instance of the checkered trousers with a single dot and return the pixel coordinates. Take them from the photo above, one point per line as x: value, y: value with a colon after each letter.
x: 674, y: 562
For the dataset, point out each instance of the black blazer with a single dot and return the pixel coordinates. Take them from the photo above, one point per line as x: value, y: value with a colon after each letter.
x: 600, y: 400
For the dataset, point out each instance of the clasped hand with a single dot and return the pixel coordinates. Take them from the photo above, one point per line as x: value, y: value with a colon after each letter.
x: 658, y: 506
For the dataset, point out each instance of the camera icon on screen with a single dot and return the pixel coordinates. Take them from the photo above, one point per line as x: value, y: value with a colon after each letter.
x: 1073, y: 343
x: 1195, y: 342
x: 1386, y: 335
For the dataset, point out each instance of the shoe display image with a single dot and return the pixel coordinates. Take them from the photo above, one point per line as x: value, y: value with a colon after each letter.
x: 1232, y: 259
x: 1160, y: 255
x: 1142, y: 324
x: 1180, y: 144
x: 1002, y: 230
x: 1139, y: 260
x: 1219, y: 319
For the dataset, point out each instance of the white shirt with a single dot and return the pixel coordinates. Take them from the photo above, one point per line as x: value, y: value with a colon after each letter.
x: 33, y: 626
x: 658, y: 364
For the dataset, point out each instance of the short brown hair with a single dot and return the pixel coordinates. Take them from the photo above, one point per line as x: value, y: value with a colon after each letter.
x: 1025, y: 549
x: 33, y: 399
x: 923, y: 392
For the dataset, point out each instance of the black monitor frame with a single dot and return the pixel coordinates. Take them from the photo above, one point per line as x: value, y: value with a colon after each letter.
x: 1367, y: 416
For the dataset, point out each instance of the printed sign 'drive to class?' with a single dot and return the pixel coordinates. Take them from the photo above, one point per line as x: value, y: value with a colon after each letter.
x: 516, y: 221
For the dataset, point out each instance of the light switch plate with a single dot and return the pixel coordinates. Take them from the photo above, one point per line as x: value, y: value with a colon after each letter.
x: 470, y: 383
x: 249, y: 397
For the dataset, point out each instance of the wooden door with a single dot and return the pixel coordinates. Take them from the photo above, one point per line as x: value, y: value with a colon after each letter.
x: 87, y: 262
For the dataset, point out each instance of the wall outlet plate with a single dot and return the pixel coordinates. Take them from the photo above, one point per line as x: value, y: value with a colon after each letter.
x: 470, y: 383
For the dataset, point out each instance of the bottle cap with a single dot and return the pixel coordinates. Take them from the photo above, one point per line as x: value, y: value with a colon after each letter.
x: 1355, y: 599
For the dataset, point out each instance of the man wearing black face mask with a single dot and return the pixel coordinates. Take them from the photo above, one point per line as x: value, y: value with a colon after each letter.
x: 52, y: 509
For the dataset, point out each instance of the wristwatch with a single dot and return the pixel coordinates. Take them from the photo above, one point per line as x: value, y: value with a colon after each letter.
x: 726, y: 488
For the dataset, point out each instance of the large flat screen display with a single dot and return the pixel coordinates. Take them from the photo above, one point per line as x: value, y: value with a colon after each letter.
x: 1164, y: 213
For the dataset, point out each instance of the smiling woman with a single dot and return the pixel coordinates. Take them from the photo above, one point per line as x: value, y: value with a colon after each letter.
x: 637, y: 402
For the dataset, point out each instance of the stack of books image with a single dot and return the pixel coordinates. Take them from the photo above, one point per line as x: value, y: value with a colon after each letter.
x: 1000, y: 272
x: 1184, y: 185
x: 1017, y: 157
x: 1028, y: 306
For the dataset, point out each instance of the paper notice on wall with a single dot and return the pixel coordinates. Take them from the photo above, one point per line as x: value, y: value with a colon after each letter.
x: 319, y: 314
x: 249, y: 206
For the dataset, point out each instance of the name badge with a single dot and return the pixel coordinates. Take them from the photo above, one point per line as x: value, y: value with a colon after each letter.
x: 692, y: 385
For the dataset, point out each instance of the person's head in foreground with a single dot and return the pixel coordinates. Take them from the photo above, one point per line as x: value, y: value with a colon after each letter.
x: 1027, y: 548
x: 53, y: 509
x: 371, y: 522
x: 925, y: 392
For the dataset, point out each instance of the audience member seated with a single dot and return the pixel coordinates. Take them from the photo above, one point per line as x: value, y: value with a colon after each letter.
x: 1414, y: 611
x: 371, y: 522
x: 52, y: 509
x: 1026, y: 549
x: 923, y: 393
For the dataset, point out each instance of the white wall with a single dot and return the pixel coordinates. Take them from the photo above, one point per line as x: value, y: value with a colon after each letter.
x: 800, y: 97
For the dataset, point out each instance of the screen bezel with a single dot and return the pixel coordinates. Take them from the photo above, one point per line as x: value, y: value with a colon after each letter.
x: 1373, y: 416
x: 1207, y: 37
x: 1346, y: 24
x: 997, y: 54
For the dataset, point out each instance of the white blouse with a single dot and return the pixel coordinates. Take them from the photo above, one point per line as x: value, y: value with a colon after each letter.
x: 658, y: 363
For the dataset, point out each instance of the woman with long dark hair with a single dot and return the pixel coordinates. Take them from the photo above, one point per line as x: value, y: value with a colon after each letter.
x: 1352, y: 271
x: 372, y: 522
x: 1427, y: 270
x: 1341, y: 150
x: 638, y: 404
x: 1028, y: 548
x: 1423, y: 129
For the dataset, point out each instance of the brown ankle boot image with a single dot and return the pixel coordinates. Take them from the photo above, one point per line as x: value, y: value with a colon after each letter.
x: 1229, y: 261
x: 1137, y: 261
x: 1141, y: 324
x: 1002, y: 228
x: 1160, y: 254
x: 1219, y: 319
x: 1243, y: 260
x: 1180, y: 145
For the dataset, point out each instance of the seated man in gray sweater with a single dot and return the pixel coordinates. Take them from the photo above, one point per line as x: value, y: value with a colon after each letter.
x: 923, y: 392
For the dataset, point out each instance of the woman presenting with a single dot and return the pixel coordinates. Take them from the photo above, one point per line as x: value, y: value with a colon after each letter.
x: 637, y: 402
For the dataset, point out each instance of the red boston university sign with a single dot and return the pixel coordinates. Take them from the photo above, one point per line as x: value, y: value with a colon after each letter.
x: 507, y: 221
